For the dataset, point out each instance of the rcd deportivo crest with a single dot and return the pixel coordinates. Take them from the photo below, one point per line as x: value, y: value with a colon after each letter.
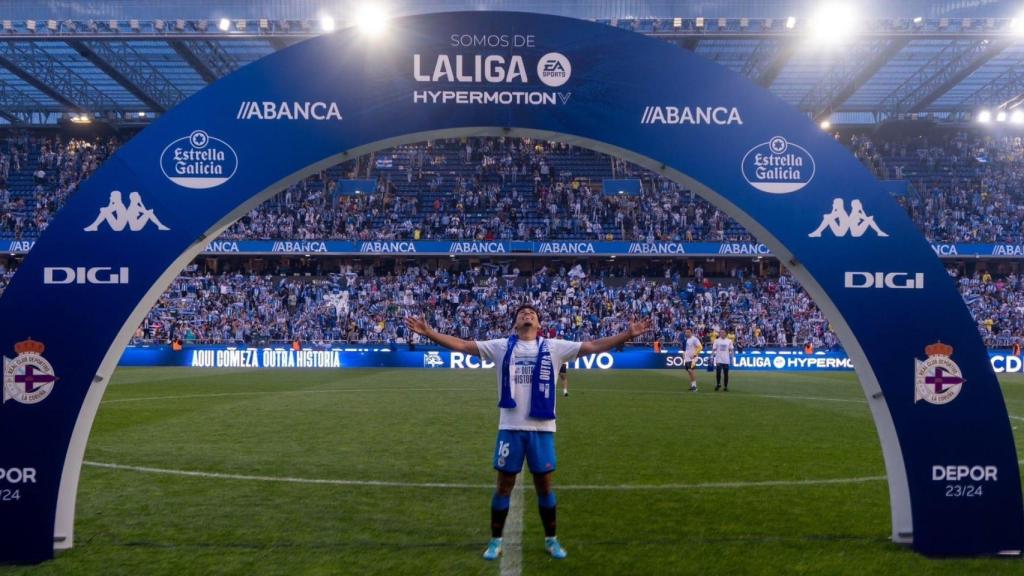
x: 28, y: 378
x: 937, y: 380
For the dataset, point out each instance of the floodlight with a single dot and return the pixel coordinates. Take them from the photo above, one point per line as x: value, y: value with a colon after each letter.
x: 224, y: 25
x: 833, y: 23
x: 984, y: 116
x: 30, y: 25
x: 327, y: 23
x: 825, y: 124
x: 51, y: 25
x: 1017, y: 25
x: 1001, y: 116
x: 791, y: 22
x: 1017, y: 117
x: 372, y: 19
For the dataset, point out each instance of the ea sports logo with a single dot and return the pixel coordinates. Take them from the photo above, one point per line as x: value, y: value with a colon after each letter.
x: 554, y: 69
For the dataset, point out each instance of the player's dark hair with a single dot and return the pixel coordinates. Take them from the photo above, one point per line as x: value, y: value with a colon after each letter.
x: 525, y: 307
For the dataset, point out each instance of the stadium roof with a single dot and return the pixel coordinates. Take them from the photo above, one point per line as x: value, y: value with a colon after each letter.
x: 947, y: 64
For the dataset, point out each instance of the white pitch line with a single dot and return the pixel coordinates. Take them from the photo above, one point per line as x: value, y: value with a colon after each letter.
x: 285, y: 479
x: 278, y: 393
x: 388, y: 484
x: 512, y: 537
x: 344, y: 390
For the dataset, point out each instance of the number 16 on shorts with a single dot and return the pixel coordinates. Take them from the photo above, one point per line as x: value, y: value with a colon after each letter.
x: 502, y: 453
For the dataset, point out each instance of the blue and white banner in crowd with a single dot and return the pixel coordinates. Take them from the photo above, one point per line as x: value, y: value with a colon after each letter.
x: 628, y: 187
x: 551, y: 248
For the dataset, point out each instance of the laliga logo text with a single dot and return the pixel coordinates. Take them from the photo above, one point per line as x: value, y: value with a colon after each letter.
x: 508, y: 75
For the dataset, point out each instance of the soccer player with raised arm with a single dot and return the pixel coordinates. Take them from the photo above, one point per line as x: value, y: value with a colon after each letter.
x: 526, y: 428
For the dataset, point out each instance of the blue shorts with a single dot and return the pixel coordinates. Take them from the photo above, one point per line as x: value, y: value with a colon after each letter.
x: 538, y: 448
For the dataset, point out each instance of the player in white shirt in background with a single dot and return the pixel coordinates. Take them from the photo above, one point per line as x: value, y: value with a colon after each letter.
x: 690, y: 355
x: 721, y: 349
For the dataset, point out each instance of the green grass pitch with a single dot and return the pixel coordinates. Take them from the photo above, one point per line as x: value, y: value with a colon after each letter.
x: 651, y: 479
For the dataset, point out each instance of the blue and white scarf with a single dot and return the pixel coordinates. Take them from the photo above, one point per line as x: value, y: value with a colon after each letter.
x: 542, y: 397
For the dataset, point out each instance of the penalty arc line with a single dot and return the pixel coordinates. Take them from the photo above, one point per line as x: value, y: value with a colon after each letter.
x: 447, y: 485
x: 391, y: 484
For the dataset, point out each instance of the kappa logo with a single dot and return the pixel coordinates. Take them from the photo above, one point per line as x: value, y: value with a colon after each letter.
x: 135, y: 216
x: 28, y: 378
x: 937, y: 380
x: 840, y: 222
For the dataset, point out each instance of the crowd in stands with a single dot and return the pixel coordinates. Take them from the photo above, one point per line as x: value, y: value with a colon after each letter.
x: 357, y: 305
x: 38, y: 174
x: 964, y: 187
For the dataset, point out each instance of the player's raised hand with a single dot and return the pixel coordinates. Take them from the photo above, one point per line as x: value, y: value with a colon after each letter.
x: 417, y: 325
x: 639, y: 327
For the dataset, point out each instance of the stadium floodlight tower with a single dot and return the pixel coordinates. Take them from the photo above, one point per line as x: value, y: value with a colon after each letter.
x: 77, y: 298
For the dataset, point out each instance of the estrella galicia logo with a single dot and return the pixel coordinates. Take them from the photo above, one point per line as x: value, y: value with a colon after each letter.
x: 778, y: 166
x: 199, y: 161
x: 554, y: 69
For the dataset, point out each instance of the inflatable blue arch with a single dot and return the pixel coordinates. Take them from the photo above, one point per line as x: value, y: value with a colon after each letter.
x: 74, y: 303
